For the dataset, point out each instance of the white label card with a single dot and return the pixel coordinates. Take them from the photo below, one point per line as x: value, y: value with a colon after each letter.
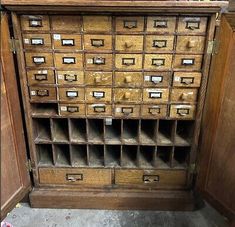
x: 68, y: 42
x: 38, y: 60
x: 155, y: 95
x: 156, y: 79
x: 33, y: 93
x: 72, y: 93
x: 63, y: 108
x: 57, y: 36
x: 98, y: 94
x: 26, y: 41
x: 37, y: 41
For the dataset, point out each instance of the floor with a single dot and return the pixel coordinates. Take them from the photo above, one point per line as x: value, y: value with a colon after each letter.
x: 24, y: 216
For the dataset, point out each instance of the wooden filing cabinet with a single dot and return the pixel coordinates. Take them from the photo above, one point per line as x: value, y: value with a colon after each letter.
x: 114, y: 101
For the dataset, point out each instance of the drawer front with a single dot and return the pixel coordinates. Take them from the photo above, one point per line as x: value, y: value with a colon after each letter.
x: 129, y: 43
x: 129, y: 24
x: 183, y: 95
x: 192, y: 25
x: 98, y: 42
x: 70, y: 77
x: 127, y: 95
x: 36, y: 41
x: 127, y: 111
x: 71, y: 94
x: 38, y: 60
x: 97, y: 23
x: 99, y: 61
x: 40, y: 77
x: 35, y: 23
x: 161, y: 24
x: 154, y: 111
x: 190, y: 44
x: 159, y: 43
x: 158, y: 61
x: 134, y: 79
x: 157, y: 79
x: 183, y: 111
x: 188, y: 62
x: 155, y: 178
x: 75, y: 176
x: 99, y: 110
x: 42, y: 93
x: 155, y: 95
x: 67, y: 42
x: 98, y: 94
x: 128, y: 61
x: 68, y: 61
x: 66, y: 23
x: 72, y: 109
x: 187, y: 79
x: 98, y: 78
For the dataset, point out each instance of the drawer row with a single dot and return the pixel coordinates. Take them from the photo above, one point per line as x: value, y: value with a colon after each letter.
x: 122, y: 43
x: 102, y: 62
x: 123, y: 24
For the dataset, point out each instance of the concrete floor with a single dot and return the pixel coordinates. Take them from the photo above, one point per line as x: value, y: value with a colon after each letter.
x: 24, y: 216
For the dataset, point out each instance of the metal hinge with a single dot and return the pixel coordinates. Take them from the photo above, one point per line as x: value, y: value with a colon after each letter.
x: 29, y: 165
x: 212, y: 47
x: 14, y: 43
x: 192, y: 168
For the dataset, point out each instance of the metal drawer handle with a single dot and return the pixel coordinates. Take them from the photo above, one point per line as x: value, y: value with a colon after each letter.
x: 73, y: 109
x: 187, y: 62
x: 68, y: 60
x: 37, y: 41
x: 155, y: 95
x: 156, y: 79
x: 40, y: 77
x: 182, y: 111
x: 158, y: 62
x: 159, y: 43
x: 39, y: 60
x: 42, y: 93
x: 98, y: 94
x: 74, y: 177
x: 97, y: 42
x: 127, y: 110
x: 71, y: 94
x: 160, y: 24
x: 151, y: 179
x: 70, y: 78
x: 128, y: 61
x: 67, y: 42
x: 155, y: 110
x: 192, y: 25
x: 99, y: 109
x: 187, y: 80
x: 99, y: 61
x: 130, y: 24
x: 35, y: 22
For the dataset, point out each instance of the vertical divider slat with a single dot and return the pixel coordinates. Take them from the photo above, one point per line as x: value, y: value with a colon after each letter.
x: 139, y: 132
x: 87, y: 140
x: 105, y: 156
x: 122, y: 120
x: 104, y: 130
x: 69, y: 129
x: 51, y: 129
x: 54, y: 154
x: 155, y: 164
x: 173, y: 131
x: 121, y: 155
x: 88, y: 154
x: 156, y: 124
x: 138, y: 156
x: 172, y: 157
x: 70, y: 155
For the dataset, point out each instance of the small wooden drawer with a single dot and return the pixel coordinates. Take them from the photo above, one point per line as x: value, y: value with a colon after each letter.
x: 66, y: 23
x: 72, y: 109
x: 129, y: 61
x: 67, y: 42
x: 99, y: 109
x: 99, y: 61
x: 161, y: 24
x: 71, y: 94
x: 153, y: 178
x: 35, y: 23
x: 129, y: 43
x: 159, y: 43
x: 40, y: 77
x: 192, y: 25
x: 68, y: 61
x: 190, y: 44
x: 129, y: 24
x: 154, y: 111
x: 97, y: 23
x: 98, y: 78
x: 154, y: 95
x: 158, y: 61
x: 126, y: 79
x: 97, y: 42
x: 183, y: 111
x: 127, y: 95
x: 70, y: 77
x: 39, y: 59
x: 183, y: 95
x: 187, y: 79
x: 99, y: 94
x: 127, y: 110
x: 75, y: 176
x: 188, y: 62
x: 36, y: 41
x: 157, y: 79
x: 42, y: 93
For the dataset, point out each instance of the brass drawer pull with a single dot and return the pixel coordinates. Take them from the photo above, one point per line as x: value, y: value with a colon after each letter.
x: 67, y: 42
x: 130, y: 24
x: 97, y: 42
x: 155, y: 95
x: 42, y: 93
x: 128, y: 61
x: 37, y: 41
x: 158, y: 62
x: 70, y: 78
x: 40, y: 77
x: 160, y: 24
x: 73, y: 109
x: 127, y: 110
x: 192, y: 25
x: 74, y: 177
x: 151, y: 179
x: 183, y: 111
x: 68, y: 60
x: 98, y: 94
x: 71, y: 94
x: 39, y: 60
x: 159, y: 43
x: 35, y: 22
x: 99, y: 109
x: 187, y: 80
x: 155, y: 110
x: 99, y: 61
x: 156, y: 79
x: 187, y: 62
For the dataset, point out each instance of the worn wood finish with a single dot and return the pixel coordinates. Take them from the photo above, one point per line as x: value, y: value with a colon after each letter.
x: 158, y: 61
x: 97, y: 42
x: 98, y: 78
x: 128, y: 61
x: 67, y: 42
x: 36, y: 77
x: 71, y: 94
x: 127, y: 95
x: 182, y: 111
x: 128, y: 79
x: 42, y: 93
x: 98, y: 61
x: 183, y: 95
x: 161, y: 24
x: 159, y: 43
x: 68, y: 61
x: 66, y: 23
x: 36, y: 41
x: 38, y: 60
x: 156, y: 111
x: 70, y: 77
x: 156, y: 95
x: 99, y: 110
x: 72, y: 109
x: 121, y: 110
x: 98, y: 94
x: 157, y: 79
x: 97, y: 23
x: 35, y: 23
x: 187, y: 79
x: 129, y: 43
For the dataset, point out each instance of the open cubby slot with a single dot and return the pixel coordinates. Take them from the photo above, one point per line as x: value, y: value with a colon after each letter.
x: 96, y: 130
x: 112, y: 155
x: 181, y: 157
x: 165, y: 132
x: 42, y: 130
x: 79, y: 155
x: 46, y: 109
x: 62, y: 155
x: 78, y: 130
x: 60, y: 130
x: 164, y: 154
x: 96, y: 155
x: 44, y: 154
x: 130, y: 131
x: 147, y: 156
x: 184, y: 133
x: 129, y: 156
x: 113, y: 132
x: 148, y: 131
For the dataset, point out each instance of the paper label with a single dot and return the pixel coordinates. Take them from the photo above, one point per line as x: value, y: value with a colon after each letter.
x: 63, y: 108
x: 89, y: 61
x: 155, y: 95
x: 38, y: 60
x: 72, y: 93
x: 177, y: 78
x: 98, y: 94
x: 118, y: 110
x: 33, y: 93
x: 156, y: 79
x: 26, y: 41
x: 67, y: 42
x: 60, y: 77
x: 57, y: 36
x: 37, y: 41
x: 69, y: 60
